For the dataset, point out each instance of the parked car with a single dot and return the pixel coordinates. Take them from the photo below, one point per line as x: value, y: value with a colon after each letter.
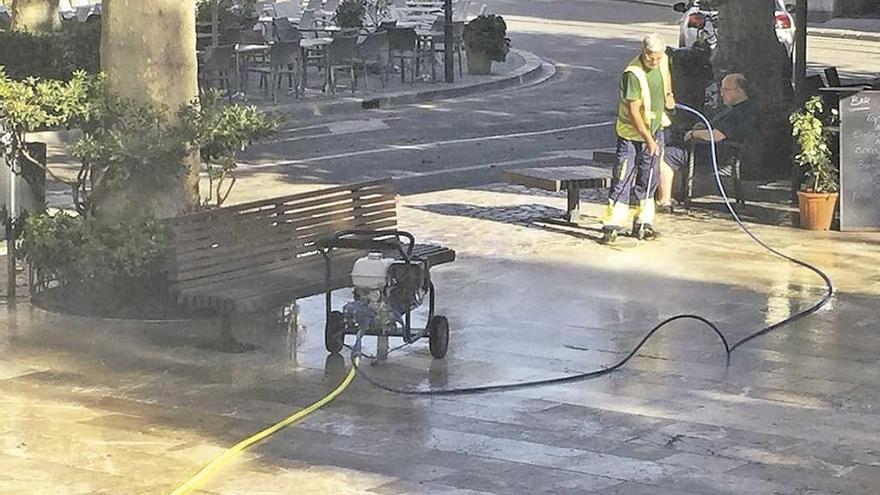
x: 699, y: 19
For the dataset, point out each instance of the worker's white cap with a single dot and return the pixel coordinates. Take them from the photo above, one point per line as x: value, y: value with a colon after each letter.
x: 654, y: 43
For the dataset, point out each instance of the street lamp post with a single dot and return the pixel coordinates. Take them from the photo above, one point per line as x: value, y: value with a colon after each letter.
x: 800, y: 51
x: 447, y: 42
x: 215, y: 23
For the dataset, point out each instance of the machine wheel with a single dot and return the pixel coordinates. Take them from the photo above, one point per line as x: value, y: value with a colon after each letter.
x: 438, y: 336
x: 334, y: 332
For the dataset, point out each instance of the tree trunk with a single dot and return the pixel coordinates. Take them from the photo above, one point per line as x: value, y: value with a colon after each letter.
x: 747, y: 43
x: 148, y: 51
x: 35, y: 15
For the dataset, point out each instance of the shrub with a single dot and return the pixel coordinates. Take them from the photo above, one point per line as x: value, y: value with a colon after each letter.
x: 91, y: 251
x: 488, y: 34
x: 350, y: 13
x: 129, y: 152
x: 55, y: 55
x: 32, y: 105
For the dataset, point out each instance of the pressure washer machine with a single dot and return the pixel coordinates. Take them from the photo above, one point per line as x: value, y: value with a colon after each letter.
x: 389, y: 283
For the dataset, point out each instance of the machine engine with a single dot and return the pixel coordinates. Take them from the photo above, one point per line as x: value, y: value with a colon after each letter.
x: 384, y: 290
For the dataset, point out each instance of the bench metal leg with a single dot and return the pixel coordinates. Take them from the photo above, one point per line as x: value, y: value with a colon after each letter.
x: 573, y: 210
x: 292, y: 331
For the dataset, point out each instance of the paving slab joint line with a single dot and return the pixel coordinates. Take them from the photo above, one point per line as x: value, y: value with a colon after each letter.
x: 534, y: 71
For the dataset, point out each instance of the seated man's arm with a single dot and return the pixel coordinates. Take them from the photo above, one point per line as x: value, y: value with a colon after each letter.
x: 738, y: 124
x: 702, y: 135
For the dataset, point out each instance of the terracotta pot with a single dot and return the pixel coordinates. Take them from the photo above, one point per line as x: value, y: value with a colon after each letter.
x: 817, y: 209
x: 478, y: 63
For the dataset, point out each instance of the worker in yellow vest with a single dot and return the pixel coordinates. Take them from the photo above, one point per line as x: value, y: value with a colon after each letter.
x: 645, y: 97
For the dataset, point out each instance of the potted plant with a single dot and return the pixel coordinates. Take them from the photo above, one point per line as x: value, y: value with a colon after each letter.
x: 485, y: 40
x: 818, y: 193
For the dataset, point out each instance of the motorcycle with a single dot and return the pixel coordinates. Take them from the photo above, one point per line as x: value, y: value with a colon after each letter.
x: 693, y: 79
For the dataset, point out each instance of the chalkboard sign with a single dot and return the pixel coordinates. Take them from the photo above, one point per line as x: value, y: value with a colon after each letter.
x: 860, y: 161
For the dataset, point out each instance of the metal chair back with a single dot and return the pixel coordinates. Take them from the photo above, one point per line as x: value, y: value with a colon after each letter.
x: 285, y: 53
x: 284, y: 30
x: 307, y: 21
x: 374, y: 49
x: 402, y: 40
x: 341, y: 50
x: 219, y: 58
x: 231, y: 36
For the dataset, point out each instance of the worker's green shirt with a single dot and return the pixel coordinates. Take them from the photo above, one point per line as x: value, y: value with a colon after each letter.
x: 631, y: 90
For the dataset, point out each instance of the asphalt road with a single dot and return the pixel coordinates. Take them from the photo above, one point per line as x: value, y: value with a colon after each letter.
x: 468, y: 141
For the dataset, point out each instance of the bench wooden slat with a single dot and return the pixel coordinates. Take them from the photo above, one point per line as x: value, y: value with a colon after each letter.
x: 560, y: 178
x: 281, y: 209
x: 264, y: 290
x: 380, y: 185
x: 246, y: 259
x: 270, y: 289
x: 240, y: 226
x: 272, y: 210
x: 235, y: 242
x: 228, y: 271
x: 258, y: 255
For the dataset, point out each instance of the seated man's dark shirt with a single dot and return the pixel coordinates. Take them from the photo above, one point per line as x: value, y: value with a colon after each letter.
x: 738, y: 123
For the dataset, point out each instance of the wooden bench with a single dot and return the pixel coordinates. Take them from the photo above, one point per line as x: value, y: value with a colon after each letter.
x: 258, y: 256
x: 571, y: 179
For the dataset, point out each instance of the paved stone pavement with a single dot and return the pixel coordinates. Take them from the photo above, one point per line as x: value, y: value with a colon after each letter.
x: 98, y: 406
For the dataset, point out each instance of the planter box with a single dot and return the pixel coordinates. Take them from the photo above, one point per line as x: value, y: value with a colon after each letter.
x: 478, y: 63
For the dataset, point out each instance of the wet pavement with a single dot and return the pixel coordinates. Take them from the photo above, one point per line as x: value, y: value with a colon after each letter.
x: 102, y: 406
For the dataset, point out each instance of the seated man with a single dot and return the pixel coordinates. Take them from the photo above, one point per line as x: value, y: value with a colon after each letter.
x: 736, y: 122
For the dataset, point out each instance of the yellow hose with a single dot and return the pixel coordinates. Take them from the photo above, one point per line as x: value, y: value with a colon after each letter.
x: 232, y: 453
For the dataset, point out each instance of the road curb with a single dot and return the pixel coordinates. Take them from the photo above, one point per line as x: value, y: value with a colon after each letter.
x: 647, y: 2
x: 533, y: 71
x: 843, y: 34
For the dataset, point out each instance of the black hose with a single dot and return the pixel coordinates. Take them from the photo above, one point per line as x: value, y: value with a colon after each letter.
x: 728, y: 349
x: 548, y: 381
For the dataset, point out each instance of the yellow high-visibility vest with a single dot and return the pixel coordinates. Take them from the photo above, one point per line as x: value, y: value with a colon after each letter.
x: 624, y: 127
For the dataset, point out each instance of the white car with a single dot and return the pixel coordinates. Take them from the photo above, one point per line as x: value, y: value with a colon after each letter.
x: 699, y: 19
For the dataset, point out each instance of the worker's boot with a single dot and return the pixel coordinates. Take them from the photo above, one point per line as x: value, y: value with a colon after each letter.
x: 609, y: 236
x: 644, y: 232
